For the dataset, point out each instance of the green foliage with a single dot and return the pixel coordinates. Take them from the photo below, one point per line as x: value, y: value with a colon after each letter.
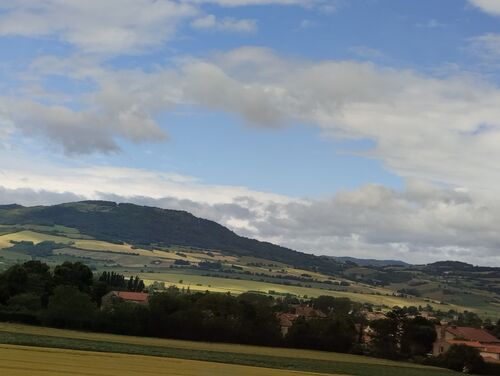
x: 463, y: 358
x: 42, y: 249
x: 69, y: 307
x: 402, y: 337
x: 332, y: 334
x: 73, y: 274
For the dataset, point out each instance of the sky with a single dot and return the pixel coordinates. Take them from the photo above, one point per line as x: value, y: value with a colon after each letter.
x: 364, y: 128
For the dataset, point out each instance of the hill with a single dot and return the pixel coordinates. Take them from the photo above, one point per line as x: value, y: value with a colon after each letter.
x: 147, y: 226
x: 370, y: 262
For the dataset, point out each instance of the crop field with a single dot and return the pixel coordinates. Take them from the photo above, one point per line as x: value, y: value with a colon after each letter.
x: 153, y: 265
x: 23, y: 360
x: 156, y: 357
x: 238, y: 286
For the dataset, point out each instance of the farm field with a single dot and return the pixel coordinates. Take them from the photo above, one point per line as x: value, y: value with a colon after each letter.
x: 154, y: 265
x: 23, y: 360
x: 238, y: 286
x: 306, y: 362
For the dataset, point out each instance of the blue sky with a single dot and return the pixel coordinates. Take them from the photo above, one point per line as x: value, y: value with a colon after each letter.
x: 365, y: 128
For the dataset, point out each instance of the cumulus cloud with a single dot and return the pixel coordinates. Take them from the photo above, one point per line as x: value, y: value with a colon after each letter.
x: 210, y: 22
x: 488, y: 6
x: 122, y: 26
x: 111, y: 26
x: 443, y: 129
x: 413, y: 120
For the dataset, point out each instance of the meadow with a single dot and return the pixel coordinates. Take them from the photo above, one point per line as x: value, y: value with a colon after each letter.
x: 197, y: 357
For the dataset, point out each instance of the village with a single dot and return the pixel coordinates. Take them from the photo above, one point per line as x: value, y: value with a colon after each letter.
x: 447, y: 334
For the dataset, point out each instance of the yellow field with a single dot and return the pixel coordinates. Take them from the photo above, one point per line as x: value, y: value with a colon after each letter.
x: 102, y: 246
x: 29, y: 361
x: 191, y: 345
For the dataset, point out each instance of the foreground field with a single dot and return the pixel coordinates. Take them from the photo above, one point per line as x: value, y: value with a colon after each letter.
x: 304, y: 361
x: 23, y: 360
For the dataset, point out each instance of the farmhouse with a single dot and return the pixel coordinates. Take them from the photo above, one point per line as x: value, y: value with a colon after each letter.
x: 448, y: 335
x: 286, y: 319
x: 113, y: 297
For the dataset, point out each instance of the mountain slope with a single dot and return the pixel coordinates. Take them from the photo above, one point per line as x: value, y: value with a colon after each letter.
x: 147, y: 226
x: 370, y: 262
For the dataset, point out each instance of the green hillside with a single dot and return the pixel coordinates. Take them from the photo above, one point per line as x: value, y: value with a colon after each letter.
x: 147, y: 226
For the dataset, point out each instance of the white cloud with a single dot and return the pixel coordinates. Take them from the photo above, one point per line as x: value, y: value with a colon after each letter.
x: 440, y: 129
x: 105, y: 27
x: 431, y: 24
x: 367, y: 52
x: 237, y: 3
x: 225, y: 24
x: 307, y: 24
x: 122, y: 26
x: 488, y: 6
x: 486, y: 46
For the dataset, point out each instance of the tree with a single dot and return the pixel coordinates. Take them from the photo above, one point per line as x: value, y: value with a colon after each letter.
x: 69, y: 307
x: 13, y: 281
x: 463, y: 358
x: 25, y: 303
x: 418, y: 337
x: 73, y: 274
x: 332, y: 334
x: 330, y: 304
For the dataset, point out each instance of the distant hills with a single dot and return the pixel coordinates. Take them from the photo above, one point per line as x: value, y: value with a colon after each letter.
x: 370, y: 262
x: 147, y: 226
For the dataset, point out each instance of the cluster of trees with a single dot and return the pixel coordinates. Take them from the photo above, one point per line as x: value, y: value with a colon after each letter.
x: 401, y: 336
x: 68, y: 295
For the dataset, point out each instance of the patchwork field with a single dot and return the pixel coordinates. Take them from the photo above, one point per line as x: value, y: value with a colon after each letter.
x: 199, y: 358
x: 238, y: 286
x: 238, y: 274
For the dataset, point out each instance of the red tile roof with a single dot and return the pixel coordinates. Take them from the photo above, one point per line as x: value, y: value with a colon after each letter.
x: 308, y: 312
x: 132, y: 296
x: 286, y: 319
x: 472, y: 334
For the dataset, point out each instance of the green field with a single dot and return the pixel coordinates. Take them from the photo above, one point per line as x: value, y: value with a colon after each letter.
x: 267, y: 359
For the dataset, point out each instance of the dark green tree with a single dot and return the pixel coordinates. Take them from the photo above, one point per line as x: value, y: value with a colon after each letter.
x: 69, y: 307
x: 463, y: 358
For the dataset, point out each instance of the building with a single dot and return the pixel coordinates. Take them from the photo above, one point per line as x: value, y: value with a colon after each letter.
x: 448, y: 335
x: 286, y: 319
x: 113, y: 297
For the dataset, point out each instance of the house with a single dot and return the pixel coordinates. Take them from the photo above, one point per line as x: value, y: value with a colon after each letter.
x: 448, y: 335
x: 372, y: 316
x: 286, y: 319
x: 113, y: 297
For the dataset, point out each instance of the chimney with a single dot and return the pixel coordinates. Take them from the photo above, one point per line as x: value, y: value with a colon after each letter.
x: 442, y: 332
